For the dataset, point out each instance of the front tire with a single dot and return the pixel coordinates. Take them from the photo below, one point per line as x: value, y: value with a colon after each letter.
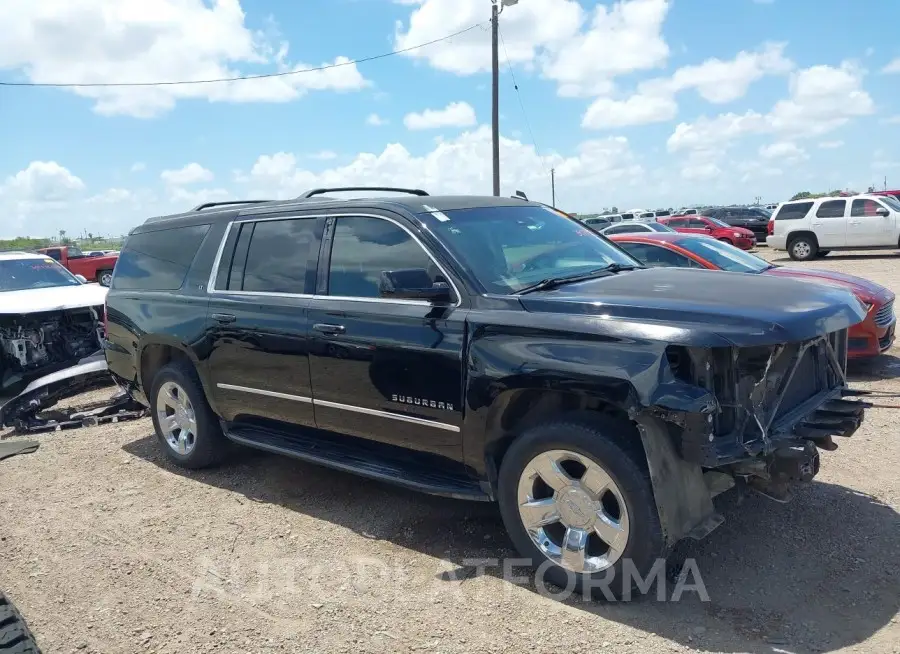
x: 579, y: 504
x: 185, y: 425
x: 803, y: 248
x: 104, y: 277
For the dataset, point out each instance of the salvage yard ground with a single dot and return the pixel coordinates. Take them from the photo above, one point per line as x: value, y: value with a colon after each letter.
x: 105, y: 547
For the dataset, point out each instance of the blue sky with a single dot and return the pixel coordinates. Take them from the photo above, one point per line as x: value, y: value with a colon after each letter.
x: 638, y: 103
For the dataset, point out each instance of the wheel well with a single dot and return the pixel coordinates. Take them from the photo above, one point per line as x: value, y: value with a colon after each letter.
x: 533, y: 407
x: 154, y: 357
x: 795, y: 235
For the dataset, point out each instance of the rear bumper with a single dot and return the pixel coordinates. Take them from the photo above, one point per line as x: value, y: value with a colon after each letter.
x: 775, y: 242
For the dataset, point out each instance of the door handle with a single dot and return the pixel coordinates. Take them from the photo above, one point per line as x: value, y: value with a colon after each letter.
x: 329, y: 329
x: 223, y: 318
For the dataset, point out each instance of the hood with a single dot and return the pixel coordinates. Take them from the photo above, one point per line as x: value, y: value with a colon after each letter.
x: 706, y: 308
x: 55, y: 298
x: 865, y: 289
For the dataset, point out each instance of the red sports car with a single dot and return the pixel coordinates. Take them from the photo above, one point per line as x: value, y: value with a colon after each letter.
x: 740, y: 237
x: 869, y: 338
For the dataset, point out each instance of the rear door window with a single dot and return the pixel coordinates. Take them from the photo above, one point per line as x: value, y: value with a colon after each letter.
x: 832, y: 209
x: 793, y: 211
x: 278, y: 256
x: 158, y: 260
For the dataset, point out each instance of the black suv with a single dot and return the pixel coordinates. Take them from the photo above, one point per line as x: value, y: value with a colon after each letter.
x: 482, y: 348
x: 755, y: 219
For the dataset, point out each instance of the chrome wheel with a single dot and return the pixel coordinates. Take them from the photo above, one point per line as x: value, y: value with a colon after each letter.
x: 176, y: 418
x: 802, y: 249
x: 106, y: 279
x: 573, y: 511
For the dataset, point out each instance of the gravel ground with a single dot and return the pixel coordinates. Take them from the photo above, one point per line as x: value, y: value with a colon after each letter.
x: 107, y: 548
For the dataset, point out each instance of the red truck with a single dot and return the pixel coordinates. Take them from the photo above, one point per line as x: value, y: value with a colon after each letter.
x: 93, y: 269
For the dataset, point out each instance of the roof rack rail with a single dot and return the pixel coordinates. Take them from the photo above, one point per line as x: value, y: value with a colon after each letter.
x: 322, y: 191
x: 208, y: 205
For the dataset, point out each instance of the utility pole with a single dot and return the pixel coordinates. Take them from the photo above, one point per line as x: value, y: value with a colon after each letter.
x: 496, y: 8
x: 553, y: 185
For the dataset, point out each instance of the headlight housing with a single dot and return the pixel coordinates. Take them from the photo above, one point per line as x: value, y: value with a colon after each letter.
x: 737, y: 235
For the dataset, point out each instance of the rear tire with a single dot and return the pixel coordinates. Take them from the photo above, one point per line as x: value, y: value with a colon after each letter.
x: 803, y: 248
x: 15, y: 636
x: 104, y: 277
x: 614, y: 531
x: 187, y: 428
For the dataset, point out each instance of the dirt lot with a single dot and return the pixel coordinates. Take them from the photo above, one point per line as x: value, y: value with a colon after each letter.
x: 107, y: 548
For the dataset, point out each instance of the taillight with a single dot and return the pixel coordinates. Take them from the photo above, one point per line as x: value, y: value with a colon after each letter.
x: 770, y: 228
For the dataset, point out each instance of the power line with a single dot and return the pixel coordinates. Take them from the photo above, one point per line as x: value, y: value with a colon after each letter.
x: 246, y: 77
x: 521, y: 104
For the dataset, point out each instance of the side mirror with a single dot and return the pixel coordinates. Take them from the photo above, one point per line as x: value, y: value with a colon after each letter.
x: 881, y: 211
x: 81, y: 278
x: 412, y: 284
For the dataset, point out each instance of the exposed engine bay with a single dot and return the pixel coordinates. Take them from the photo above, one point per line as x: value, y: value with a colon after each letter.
x: 33, y: 345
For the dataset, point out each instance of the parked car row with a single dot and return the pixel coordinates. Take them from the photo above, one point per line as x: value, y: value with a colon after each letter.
x: 485, y: 348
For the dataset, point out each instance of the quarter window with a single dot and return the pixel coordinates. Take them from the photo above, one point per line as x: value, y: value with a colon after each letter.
x: 158, y: 260
x: 280, y: 258
x: 793, y: 211
x: 832, y: 209
x: 364, y: 247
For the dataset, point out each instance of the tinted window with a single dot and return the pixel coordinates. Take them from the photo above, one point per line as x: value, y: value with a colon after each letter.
x: 832, y: 209
x: 657, y: 256
x: 676, y: 223
x: 864, y: 208
x: 282, y: 256
x: 365, y: 247
x: 793, y: 211
x: 509, y: 248
x: 53, y: 254
x: 235, y: 274
x: 158, y: 260
x: 659, y: 227
x: 892, y: 202
x: 696, y: 223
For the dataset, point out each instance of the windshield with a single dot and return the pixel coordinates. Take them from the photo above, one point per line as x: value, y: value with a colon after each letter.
x: 510, y: 248
x: 724, y: 256
x: 659, y: 227
x: 719, y: 223
x: 891, y: 201
x: 25, y: 274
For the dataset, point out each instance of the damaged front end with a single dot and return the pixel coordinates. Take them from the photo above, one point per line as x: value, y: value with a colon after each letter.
x: 758, y: 416
x: 49, y: 356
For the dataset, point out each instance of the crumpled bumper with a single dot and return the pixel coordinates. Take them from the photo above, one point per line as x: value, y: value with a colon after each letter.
x: 60, y: 383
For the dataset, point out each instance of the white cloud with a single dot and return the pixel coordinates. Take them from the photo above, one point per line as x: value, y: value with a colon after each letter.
x: 91, y: 41
x: 701, y: 171
x: 821, y: 99
x: 830, y: 145
x: 193, y: 173
x: 375, y: 120
x: 455, y: 114
x: 636, y: 110
x: 42, y: 182
x: 582, y: 52
x: 111, y: 196
x: 892, y: 67
x: 138, y: 166
x: 714, y: 80
x: 323, y: 155
x: 783, y: 151
x: 461, y: 165
x: 186, y: 199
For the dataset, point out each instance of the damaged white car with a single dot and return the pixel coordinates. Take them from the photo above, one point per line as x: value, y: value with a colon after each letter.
x: 51, y: 332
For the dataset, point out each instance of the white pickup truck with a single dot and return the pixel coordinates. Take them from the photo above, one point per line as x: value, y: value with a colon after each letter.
x: 813, y: 227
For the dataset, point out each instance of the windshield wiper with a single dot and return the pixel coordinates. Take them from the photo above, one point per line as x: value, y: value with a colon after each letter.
x: 553, y: 282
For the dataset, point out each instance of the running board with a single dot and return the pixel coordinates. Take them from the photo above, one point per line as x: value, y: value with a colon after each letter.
x: 397, y: 466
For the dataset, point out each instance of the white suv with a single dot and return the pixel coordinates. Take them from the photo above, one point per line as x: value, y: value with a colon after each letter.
x: 812, y: 228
